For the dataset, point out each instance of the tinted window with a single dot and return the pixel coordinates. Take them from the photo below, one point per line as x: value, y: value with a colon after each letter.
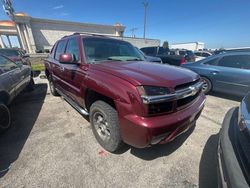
x: 163, y: 51
x: 212, y: 62
x: 191, y: 53
x: 236, y: 61
x: 59, y: 49
x: 205, y: 55
x: 182, y: 52
x: 98, y: 50
x: 6, y: 65
x: 9, y: 53
x: 149, y: 51
x: 197, y: 53
x: 73, y: 48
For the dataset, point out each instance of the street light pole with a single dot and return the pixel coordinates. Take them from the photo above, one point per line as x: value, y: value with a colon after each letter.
x: 145, y: 3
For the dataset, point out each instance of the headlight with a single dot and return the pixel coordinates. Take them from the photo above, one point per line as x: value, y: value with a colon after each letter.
x: 152, y: 90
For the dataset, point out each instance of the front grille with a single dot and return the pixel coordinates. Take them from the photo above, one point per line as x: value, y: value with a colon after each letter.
x: 185, y: 101
x: 186, y: 85
x: 159, y: 108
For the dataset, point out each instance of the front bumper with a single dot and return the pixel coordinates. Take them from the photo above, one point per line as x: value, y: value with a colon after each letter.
x: 229, y: 170
x: 141, y: 132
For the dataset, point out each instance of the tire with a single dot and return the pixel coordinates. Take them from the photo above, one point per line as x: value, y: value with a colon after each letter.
x: 207, y: 86
x: 52, y: 87
x: 5, y: 117
x: 105, y: 126
x: 31, y: 86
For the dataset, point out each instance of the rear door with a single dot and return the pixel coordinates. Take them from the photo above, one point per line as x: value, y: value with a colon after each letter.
x: 10, y: 75
x: 57, y: 67
x: 233, y: 74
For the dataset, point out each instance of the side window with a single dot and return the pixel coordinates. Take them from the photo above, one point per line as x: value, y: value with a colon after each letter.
x: 73, y: 48
x: 212, y: 62
x: 6, y: 65
x: 235, y: 61
x: 205, y: 55
x: 59, y: 49
x: 150, y: 51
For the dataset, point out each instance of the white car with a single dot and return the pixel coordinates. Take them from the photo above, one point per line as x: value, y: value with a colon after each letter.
x: 201, y: 55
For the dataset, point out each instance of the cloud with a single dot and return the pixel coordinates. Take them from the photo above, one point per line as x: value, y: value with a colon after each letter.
x: 64, y: 14
x: 58, y: 7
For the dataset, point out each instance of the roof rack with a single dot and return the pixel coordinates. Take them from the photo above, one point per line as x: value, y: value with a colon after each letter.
x: 90, y: 34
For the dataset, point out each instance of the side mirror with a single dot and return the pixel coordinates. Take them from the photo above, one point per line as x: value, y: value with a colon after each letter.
x: 67, y: 59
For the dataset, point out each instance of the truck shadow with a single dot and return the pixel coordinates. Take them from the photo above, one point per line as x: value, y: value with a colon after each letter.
x: 208, y: 164
x: 157, y: 151
x: 24, y: 110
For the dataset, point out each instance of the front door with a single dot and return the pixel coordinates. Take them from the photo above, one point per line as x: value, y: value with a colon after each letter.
x: 233, y: 75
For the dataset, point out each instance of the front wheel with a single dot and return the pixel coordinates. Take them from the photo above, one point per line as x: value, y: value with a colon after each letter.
x: 207, y: 85
x: 5, y: 117
x: 105, y: 126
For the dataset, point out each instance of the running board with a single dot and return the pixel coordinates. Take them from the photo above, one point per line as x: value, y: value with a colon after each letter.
x: 73, y: 104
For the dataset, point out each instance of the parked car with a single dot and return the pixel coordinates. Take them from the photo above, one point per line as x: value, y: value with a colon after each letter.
x: 16, y: 55
x: 14, y: 78
x: 127, y: 99
x: 234, y: 147
x: 187, y: 54
x: 164, y: 54
x: 227, y: 73
x: 202, y: 55
x: 150, y: 58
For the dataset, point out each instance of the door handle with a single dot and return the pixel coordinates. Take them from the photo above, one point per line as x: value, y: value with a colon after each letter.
x: 214, y: 72
x: 61, y: 68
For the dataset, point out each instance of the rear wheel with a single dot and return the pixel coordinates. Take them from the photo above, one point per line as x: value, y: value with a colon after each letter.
x: 105, y: 126
x: 207, y: 85
x: 52, y: 87
x: 5, y: 117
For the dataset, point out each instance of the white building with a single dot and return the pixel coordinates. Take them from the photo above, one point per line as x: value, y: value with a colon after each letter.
x: 194, y: 46
x: 36, y: 34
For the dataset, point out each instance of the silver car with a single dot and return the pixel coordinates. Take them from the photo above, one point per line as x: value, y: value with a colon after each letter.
x: 14, y: 78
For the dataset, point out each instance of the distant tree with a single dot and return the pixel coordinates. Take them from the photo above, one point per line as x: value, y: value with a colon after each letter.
x: 165, y: 44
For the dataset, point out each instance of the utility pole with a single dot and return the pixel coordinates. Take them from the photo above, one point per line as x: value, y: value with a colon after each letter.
x: 145, y: 4
x: 133, y: 31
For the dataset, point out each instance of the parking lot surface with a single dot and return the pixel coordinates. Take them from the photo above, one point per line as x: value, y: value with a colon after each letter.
x: 52, y: 145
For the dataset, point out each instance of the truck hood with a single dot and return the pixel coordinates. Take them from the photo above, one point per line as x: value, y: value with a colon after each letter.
x: 144, y: 73
x: 15, y: 58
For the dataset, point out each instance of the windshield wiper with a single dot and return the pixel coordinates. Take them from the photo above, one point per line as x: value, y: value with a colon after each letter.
x: 135, y: 59
x: 113, y: 59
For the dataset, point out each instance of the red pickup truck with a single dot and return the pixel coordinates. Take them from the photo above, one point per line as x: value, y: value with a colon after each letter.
x: 127, y: 99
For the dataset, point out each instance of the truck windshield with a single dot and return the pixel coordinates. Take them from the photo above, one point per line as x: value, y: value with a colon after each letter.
x: 100, y: 50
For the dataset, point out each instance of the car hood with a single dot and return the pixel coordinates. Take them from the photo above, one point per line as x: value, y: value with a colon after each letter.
x: 145, y: 73
x: 15, y: 58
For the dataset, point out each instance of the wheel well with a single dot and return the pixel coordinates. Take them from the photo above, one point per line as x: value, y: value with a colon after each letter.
x: 208, y: 79
x: 93, y: 96
x: 47, y: 73
x: 4, y: 97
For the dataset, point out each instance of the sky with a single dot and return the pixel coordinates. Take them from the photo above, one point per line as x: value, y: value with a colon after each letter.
x: 217, y: 23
